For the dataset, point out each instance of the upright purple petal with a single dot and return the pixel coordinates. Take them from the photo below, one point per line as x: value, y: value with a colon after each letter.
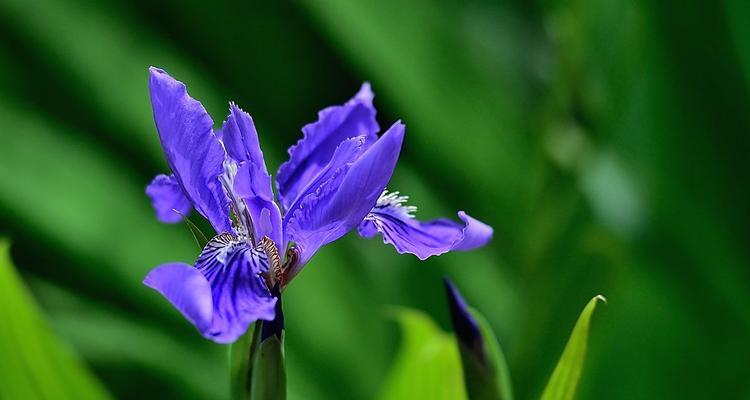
x: 344, y: 156
x: 252, y: 182
x: 423, y: 239
x: 320, y: 139
x: 241, y: 138
x: 168, y: 199
x: 344, y: 200
x: 224, y: 293
x: 327, y: 180
x: 193, y: 152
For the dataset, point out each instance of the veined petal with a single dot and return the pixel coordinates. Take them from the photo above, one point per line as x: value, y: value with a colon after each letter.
x: 397, y: 225
x: 320, y: 140
x: 240, y: 295
x: 252, y: 182
x: 193, y: 152
x: 168, y: 199
x: 224, y: 293
x: 341, y: 203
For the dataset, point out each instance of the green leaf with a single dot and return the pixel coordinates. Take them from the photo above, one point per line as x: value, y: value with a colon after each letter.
x: 269, y: 372
x: 107, y: 336
x: 480, y: 386
x: 200, y: 238
x: 427, y: 366
x: 564, y: 381
x: 35, y: 364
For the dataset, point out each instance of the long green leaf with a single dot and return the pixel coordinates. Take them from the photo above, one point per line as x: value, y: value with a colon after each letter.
x: 564, y: 381
x: 34, y: 364
x: 427, y: 366
x: 109, y: 337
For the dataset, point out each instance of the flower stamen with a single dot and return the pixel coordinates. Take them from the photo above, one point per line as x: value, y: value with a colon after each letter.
x: 274, y: 260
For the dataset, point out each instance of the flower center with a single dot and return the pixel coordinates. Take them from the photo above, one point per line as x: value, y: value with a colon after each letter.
x: 274, y: 261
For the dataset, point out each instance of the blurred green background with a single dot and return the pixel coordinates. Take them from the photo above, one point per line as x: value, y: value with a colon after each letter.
x: 605, y: 140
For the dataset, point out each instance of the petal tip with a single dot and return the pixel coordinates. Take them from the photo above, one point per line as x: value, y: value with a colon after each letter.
x: 484, y: 231
x: 158, y: 74
x: 396, y: 131
x: 365, y: 93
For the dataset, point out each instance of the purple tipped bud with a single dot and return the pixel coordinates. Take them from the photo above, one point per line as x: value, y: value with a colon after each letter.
x: 464, y: 324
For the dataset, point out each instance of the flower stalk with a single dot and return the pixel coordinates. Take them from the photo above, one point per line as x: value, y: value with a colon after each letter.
x: 256, y: 360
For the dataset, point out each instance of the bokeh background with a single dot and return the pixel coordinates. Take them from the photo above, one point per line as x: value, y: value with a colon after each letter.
x: 605, y: 140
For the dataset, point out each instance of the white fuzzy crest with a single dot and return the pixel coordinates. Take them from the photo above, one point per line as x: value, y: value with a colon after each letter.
x: 396, y: 202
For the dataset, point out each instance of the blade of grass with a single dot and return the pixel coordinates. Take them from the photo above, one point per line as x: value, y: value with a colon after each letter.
x: 564, y: 380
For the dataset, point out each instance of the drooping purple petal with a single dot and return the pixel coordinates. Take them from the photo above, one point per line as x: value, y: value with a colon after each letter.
x: 187, y: 289
x: 223, y: 294
x: 341, y: 203
x: 252, y: 182
x: 321, y: 138
x: 168, y: 200
x: 399, y: 228
x: 193, y: 152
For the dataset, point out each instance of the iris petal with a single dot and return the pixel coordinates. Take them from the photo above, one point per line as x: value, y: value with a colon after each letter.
x: 224, y: 293
x: 320, y: 140
x: 341, y: 203
x: 424, y: 239
x: 346, y: 153
x: 168, y: 199
x: 193, y: 152
x: 187, y: 289
x: 241, y: 138
x: 252, y: 182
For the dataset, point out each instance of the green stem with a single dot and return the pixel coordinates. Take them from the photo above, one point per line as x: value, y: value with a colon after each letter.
x: 269, y: 374
x: 242, y: 356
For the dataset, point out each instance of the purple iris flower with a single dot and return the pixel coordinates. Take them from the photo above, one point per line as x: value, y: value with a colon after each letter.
x: 333, y: 182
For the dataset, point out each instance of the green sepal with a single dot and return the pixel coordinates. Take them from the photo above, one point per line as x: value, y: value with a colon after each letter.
x: 200, y: 238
